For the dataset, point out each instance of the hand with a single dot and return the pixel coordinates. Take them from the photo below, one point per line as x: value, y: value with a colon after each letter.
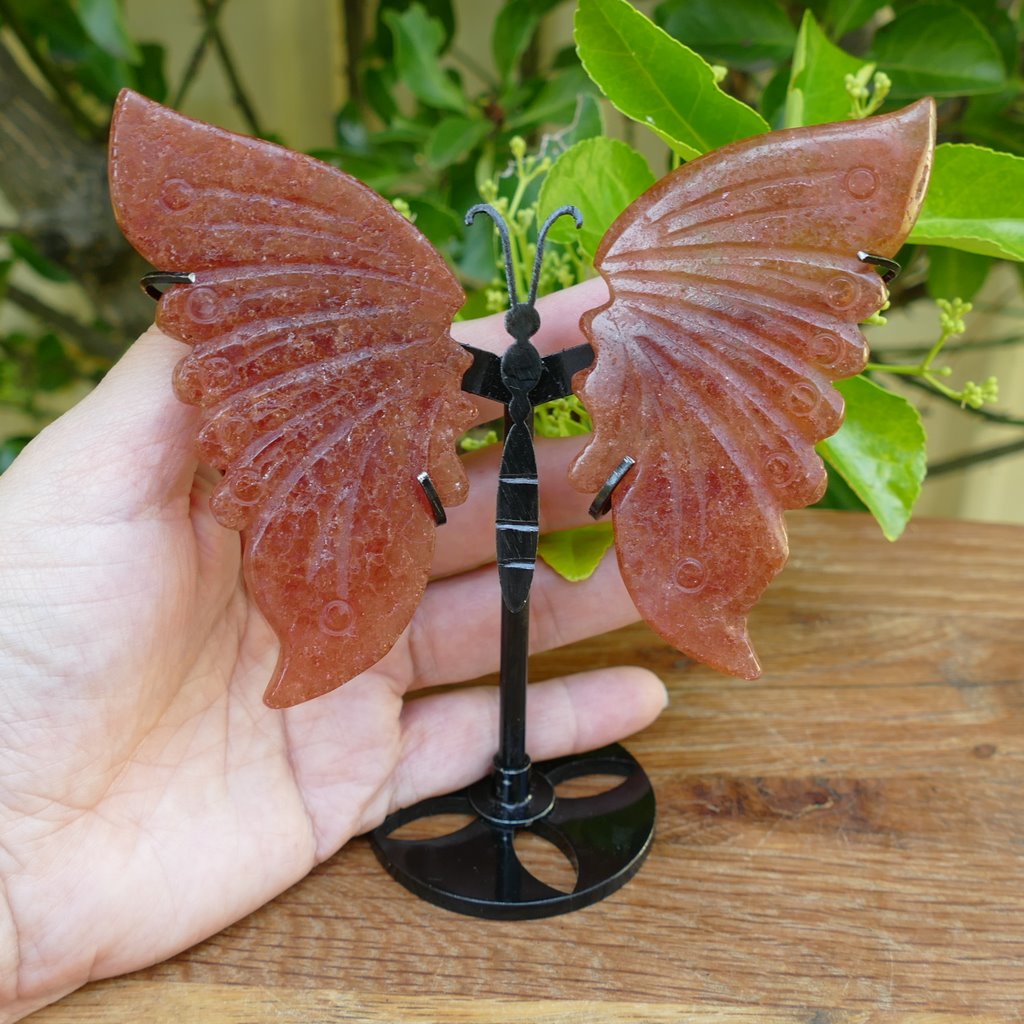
x: 148, y: 798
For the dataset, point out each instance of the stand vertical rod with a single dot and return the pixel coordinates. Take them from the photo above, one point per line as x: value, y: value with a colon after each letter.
x: 511, y: 763
x: 515, y: 627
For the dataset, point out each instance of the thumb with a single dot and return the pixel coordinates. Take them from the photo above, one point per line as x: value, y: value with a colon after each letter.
x: 124, y: 452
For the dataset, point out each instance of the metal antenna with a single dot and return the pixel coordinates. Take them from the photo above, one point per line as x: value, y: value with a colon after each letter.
x: 506, y: 244
x: 542, y: 235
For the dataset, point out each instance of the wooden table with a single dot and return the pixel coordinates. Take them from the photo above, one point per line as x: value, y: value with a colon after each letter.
x: 840, y: 841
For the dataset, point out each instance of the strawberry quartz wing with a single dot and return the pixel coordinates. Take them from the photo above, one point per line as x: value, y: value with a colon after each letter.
x: 736, y: 290
x: 324, y: 371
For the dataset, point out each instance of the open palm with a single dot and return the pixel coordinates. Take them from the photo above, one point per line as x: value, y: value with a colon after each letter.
x: 148, y: 798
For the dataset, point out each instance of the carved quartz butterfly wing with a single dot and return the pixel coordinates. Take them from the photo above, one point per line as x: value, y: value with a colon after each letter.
x: 323, y: 366
x: 736, y: 290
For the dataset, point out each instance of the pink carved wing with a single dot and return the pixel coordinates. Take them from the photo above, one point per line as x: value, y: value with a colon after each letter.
x: 736, y: 291
x: 323, y: 366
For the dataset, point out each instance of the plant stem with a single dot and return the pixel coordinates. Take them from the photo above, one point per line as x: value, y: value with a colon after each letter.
x: 959, y: 462
x: 924, y: 369
x: 990, y: 415
x: 211, y: 10
x: 195, y: 59
x: 906, y: 369
x: 478, y: 69
x: 353, y: 42
x: 95, y: 343
x: 921, y: 371
x: 962, y: 346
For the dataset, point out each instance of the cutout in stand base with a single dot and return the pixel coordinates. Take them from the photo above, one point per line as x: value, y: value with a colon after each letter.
x: 475, y: 870
x: 544, y: 860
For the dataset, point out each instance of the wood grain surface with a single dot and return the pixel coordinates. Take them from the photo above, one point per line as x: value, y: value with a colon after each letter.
x: 840, y: 841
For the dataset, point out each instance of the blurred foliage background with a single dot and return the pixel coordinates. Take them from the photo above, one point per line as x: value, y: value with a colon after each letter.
x: 422, y: 100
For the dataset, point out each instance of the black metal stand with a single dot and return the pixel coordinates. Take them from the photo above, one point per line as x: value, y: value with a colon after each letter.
x: 605, y: 837
x: 476, y: 871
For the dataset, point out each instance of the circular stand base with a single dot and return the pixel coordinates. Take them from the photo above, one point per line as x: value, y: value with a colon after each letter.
x: 476, y: 871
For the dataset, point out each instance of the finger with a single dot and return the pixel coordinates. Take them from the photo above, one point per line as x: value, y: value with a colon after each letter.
x: 454, y: 634
x: 559, y: 328
x: 564, y: 716
x: 126, y: 449
x: 559, y: 321
x: 467, y: 539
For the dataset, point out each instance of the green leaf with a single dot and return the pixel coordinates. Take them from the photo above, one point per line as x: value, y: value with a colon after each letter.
x: 1000, y: 26
x: 746, y: 34
x: 773, y: 98
x: 975, y: 202
x: 938, y: 49
x: 563, y: 417
x: 842, y: 16
x: 586, y: 124
x: 438, y: 10
x: 454, y: 137
x: 838, y: 495
x: 575, y: 554
x: 657, y: 81
x: 555, y: 101
x: 148, y: 74
x: 440, y: 224
x: 1007, y: 39
x: 54, y: 369
x: 350, y: 129
x: 566, y: 57
x: 418, y: 42
x: 105, y: 76
x: 817, y: 83
x: 995, y: 120
x: 473, y: 308
x: 476, y: 254
x: 601, y: 177
x: 57, y: 27
x: 380, y: 175
x: 42, y: 265
x: 513, y: 30
x: 103, y: 21
x: 379, y: 88
x: 511, y: 34
x: 10, y: 449
x: 953, y: 273
x: 879, y: 451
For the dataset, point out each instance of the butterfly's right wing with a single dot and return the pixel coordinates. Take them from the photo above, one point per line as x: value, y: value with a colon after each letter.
x: 323, y: 366
x: 736, y: 291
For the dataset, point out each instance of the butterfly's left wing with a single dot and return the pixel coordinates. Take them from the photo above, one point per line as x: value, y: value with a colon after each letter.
x: 324, y: 371
x: 736, y: 290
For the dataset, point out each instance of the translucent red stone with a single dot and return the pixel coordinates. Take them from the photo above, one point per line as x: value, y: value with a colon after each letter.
x: 736, y: 291
x: 323, y: 366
